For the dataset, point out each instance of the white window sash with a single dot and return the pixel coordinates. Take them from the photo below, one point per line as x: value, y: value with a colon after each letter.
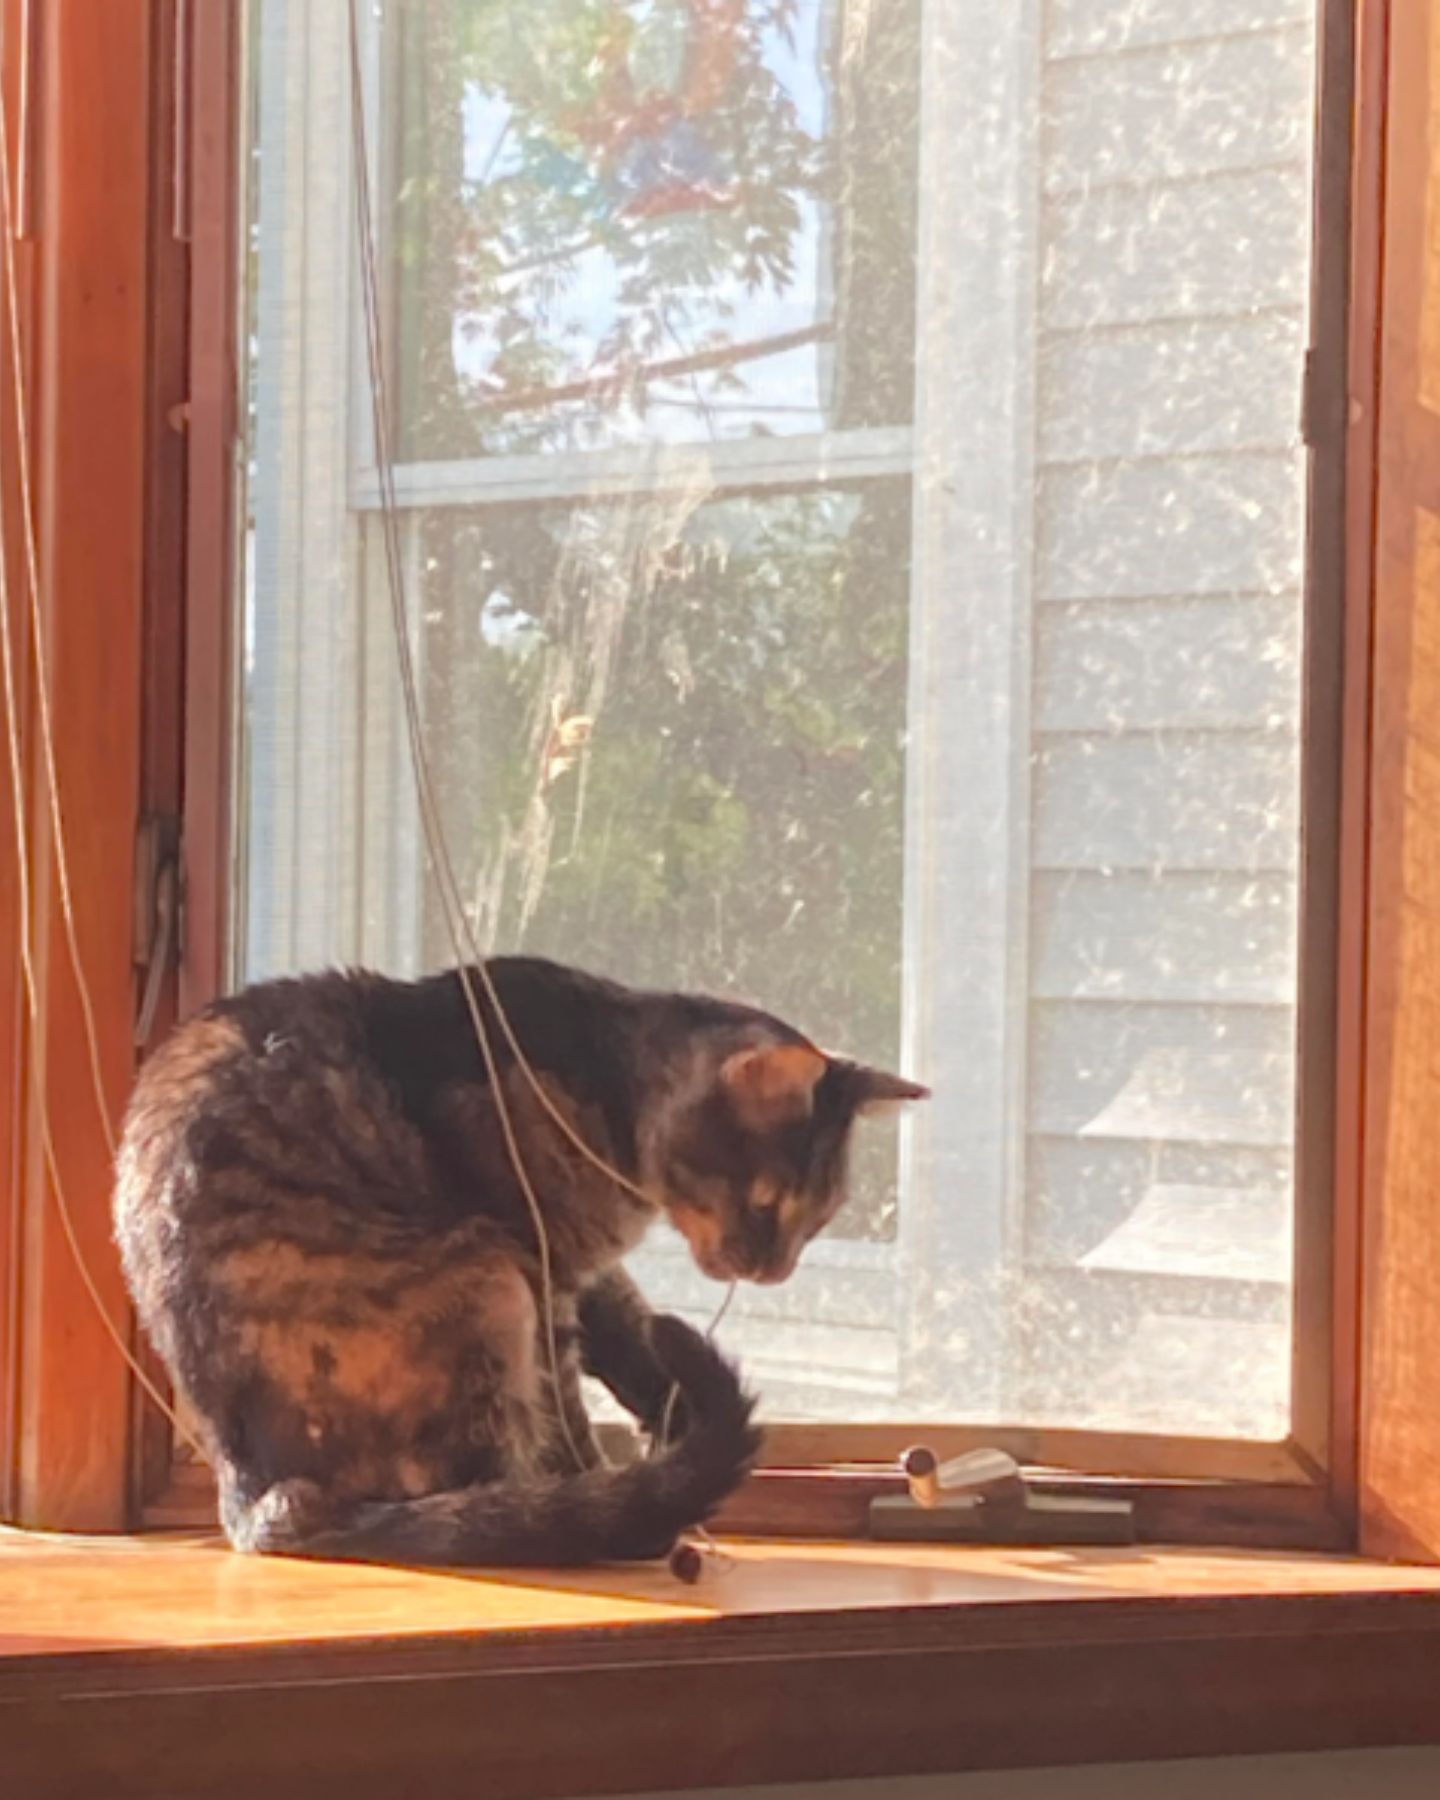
x: 643, y: 469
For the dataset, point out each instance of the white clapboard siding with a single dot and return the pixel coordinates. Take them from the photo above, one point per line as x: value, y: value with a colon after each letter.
x: 1165, y: 801
x: 1221, y: 524
x: 1084, y: 1192
x: 1127, y: 665
x: 802, y: 1369
x: 1085, y: 27
x: 779, y: 1351
x: 1177, y: 110
x: 1165, y: 673
x: 826, y: 1344
x: 1178, y: 938
x: 1167, y: 1074
x: 834, y: 1284
x: 1172, y: 388
x: 1160, y: 1338
x: 1200, y: 1233
x: 1158, y: 1208
x: 800, y: 1372
x: 1218, y: 246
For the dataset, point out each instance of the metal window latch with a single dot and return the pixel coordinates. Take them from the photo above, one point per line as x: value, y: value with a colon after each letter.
x: 985, y: 1497
x: 157, y: 913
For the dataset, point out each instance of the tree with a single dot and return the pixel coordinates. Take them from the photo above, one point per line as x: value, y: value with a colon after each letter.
x: 670, y: 730
x: 596, y: 198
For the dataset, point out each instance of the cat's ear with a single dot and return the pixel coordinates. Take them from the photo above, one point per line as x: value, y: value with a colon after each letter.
x: 773, y: 1084
x: 880, y: 1092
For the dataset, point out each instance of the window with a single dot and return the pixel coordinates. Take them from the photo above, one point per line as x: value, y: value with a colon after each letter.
x: 854, y: 515
x: 137, y: 399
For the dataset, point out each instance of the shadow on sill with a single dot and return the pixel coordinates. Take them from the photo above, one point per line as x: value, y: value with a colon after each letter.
x: 69, y: 1594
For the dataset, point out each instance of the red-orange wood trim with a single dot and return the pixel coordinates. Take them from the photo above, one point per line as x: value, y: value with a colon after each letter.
x: 1361, y: 452
x: 92, y: 106
x: 834, y: 1504
x: 1329, y: 1324
x: 177, y: 1669
x: 1400, y: 1414
x: 12, y: 1027
x: 98, y: 105
x: 216, y: 75
x: 167, y: 461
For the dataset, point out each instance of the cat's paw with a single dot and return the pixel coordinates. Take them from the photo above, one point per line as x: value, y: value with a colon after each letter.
x: 678, y: 1346
x: 283, y: 1518
x: 675, y: 1347
x: 672, y: 1418
x: 708, y: 1383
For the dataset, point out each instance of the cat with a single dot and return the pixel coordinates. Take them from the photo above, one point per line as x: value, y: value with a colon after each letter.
x: 325, y: 1239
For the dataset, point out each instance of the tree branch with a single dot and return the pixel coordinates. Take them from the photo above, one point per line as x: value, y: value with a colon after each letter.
x: 698, y: 362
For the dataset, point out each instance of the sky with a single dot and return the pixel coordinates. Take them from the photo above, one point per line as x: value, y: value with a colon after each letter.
x: 784, y: 392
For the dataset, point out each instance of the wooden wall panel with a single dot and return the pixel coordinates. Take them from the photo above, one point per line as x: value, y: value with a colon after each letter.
x: 12, y: 1030
x: 89, y: 128
x: 1400, y: 1406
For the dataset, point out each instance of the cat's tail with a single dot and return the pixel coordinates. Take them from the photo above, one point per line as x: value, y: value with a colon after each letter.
x: 630, y: 1513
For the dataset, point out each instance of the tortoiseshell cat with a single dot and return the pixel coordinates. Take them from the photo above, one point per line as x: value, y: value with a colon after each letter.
x: 326, y: 1241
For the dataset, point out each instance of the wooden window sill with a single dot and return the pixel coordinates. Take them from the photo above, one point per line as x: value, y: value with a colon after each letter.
x: 833, y: 1503
x: 166, y: 1665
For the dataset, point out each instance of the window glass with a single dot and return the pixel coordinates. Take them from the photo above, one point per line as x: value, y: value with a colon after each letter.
x: 637, y: 223
x: 852, y: 517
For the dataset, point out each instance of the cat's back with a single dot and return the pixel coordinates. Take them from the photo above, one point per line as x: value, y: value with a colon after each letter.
x: 266, y: 1102
x: 240, y: 1052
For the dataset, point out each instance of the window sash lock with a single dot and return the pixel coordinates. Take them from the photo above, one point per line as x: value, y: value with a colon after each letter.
x: 985, y: 1497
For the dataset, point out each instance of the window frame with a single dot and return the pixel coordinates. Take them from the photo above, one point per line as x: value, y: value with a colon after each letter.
x: 79, y: 1466
x: 87, y: 154
x: 1296, y: 1468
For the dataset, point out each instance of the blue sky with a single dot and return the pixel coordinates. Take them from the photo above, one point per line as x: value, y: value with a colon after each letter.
x: 782, y: 392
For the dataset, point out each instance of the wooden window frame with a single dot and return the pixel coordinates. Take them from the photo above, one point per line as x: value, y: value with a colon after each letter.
x: 135, y: 420
x: 1269, y: 1488
x: 81, y: 106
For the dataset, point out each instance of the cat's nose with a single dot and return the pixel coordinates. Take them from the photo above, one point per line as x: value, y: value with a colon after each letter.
x: 779, y: 1269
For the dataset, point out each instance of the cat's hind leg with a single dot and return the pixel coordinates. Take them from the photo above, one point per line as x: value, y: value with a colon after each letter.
x: 572, y: 1444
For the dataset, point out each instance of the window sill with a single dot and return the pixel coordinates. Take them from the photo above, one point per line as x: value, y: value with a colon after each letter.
x: 165, y: 1665
x: 833, y: 1503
